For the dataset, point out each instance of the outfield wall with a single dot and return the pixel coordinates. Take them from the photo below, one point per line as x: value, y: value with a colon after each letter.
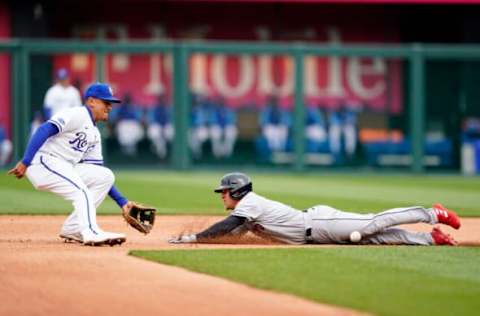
x: 409, y: 153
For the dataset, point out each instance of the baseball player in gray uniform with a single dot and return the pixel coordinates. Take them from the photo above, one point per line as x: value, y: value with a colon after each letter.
x: 319, y: 224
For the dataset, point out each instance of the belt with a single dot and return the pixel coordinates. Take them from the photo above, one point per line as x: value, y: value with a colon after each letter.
x: 308, y: 236
x: 308, y: 228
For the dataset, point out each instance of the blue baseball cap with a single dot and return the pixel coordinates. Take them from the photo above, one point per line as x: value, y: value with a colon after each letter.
x: 101, y: 91
x: 62, y: 74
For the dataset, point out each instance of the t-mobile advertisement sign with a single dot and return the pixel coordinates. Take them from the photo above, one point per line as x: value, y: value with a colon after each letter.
x: 244, y: 80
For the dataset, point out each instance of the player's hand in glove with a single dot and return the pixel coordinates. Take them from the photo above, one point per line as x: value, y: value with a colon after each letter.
x: 140, y: 217
x: 185, y: 239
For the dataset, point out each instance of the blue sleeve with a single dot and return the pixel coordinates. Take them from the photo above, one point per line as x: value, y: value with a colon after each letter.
x: 287, y: 118
x: 117, y: 196
x: 139, y: 114
x: 351, y: 118
x: 45, y: 131
x: 321, y: 119
x: 197, y: 119
x: 151, y: 116
x: 263, y: 117
x: 232, y: 117
x: 335, y: 118
x: 212, y: 117
x: 313, y: 117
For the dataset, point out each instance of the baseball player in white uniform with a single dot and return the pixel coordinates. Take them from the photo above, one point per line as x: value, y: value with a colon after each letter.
x: 61, y: 96
x: 64, y: 156
x: 320, y: 224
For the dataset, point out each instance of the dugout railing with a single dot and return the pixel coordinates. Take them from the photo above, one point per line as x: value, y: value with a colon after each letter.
x: 415, y: 55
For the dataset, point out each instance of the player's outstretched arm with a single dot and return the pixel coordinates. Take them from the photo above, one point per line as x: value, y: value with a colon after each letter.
x: 215, y: 231
x: 121, y: 201
x: 45, y: 131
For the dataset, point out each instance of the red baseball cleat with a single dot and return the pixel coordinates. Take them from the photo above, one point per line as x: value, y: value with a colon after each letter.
x: 446, y: 216
x: 440, y: 238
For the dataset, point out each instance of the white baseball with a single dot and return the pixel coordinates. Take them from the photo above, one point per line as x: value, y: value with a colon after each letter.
x: 355, y: 236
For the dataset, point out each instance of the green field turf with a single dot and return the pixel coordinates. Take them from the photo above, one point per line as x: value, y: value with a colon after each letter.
x: 191, y: 192
x: 381, y: 280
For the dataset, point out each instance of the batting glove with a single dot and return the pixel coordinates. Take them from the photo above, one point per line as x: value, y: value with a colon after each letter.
x: 185, y: 239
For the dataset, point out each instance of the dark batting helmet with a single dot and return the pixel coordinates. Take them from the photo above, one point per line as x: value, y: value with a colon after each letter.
x: 238, y: 184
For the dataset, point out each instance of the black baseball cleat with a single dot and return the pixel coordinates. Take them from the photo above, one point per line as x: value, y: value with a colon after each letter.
x: 115, y: 238
x: 115, y: 241
x: 95, y: 243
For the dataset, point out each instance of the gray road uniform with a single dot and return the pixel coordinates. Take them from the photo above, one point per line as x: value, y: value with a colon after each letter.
x: 324, y: 224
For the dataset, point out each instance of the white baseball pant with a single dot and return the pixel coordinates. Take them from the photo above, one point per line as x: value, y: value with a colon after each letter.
x: 85, y: 185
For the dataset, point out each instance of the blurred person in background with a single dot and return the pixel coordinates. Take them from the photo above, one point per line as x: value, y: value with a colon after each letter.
x: 198, y: 134
x: 127, y: 122
x: 223, y: 129
x: 343, y: 130
x: 315, y: 128
x: 275, y: 123
x: 36, y: 122
x: 62, y: 95
x: 470, y: 147
x: 471, y: 129
x: 159, y: 126
x: 5, y: 147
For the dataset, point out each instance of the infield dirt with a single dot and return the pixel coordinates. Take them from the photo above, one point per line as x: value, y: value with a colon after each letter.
x: 41, y: 275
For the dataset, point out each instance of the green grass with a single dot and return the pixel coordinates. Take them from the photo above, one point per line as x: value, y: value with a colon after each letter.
x: 381, y: 280
x: 191, y: 192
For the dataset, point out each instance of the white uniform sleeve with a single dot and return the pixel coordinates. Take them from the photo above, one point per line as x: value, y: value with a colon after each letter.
x: 69, y: 119
x: 248, y: 208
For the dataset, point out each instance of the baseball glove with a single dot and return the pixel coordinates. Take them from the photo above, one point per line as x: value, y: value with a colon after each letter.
x: 140, y: 217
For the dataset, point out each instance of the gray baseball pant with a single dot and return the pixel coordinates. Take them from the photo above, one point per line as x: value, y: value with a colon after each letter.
x: 330, y: 225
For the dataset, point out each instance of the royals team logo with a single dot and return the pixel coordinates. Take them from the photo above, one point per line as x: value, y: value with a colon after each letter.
x: 79, y: 142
